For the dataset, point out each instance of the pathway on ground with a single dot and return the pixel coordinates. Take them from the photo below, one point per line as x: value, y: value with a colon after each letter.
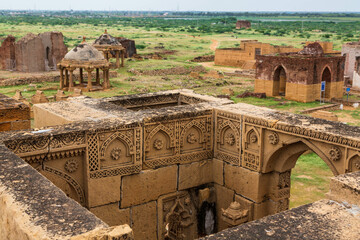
x: 214, y: 44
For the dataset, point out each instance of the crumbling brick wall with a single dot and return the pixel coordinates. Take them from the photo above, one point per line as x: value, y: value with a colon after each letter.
x: 129, y: 45
x: 7, y: 53
x: 32, y: 53
x: 243, y: 24
x: 303, y: 75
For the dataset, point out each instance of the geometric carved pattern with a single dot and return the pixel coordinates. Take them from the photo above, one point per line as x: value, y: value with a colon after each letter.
x: 71, y: 165
x: 228, y: 138
x: 251, y: 161
x: 92, y: 150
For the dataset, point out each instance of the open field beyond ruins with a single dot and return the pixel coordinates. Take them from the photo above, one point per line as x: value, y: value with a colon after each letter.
x: 179, y: 41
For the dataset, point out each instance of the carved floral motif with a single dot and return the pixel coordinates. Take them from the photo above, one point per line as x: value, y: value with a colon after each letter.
x: 115, y: 154
x: 71, y: 165
x: 230, y: 139
x: 335, y: 154
x: 191, y: 138
x: 158, y: 144
x: 273, y: 138
x: 253, y: 138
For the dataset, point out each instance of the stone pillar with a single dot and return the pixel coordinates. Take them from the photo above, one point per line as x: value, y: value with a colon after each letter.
x: 117, y: 52
x: 106, y: 83
x: 81, y: 76
x: 97, y: 76
x: 66, y: 77
x: 89, y: 85
x: 61, y: 77
x: 71, y: 80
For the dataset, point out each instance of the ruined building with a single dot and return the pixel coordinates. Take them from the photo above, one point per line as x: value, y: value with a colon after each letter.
x: 32, y: 53
x: 243, y: 24
x: 84, y: 57
x: 244, y: 56
x: 351, y: 51
x: 129, y: 45
x: 169, y: 164
x: 298, y: 76
x: 111, y: 48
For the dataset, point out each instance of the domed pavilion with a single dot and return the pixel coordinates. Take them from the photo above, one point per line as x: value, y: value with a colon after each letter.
x: 111, y: 48
x: 84, y: 57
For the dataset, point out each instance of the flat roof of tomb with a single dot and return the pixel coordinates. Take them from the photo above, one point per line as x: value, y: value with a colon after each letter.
x: 133, y: 107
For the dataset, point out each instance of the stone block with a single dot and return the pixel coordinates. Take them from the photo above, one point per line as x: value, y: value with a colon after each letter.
x: 218, y: 171
x: 103, y: 191
x: 19, y: 125
x: 112, y: 215
x: 195, y: 174
x: 148, y: 185
x: 252, y: 185
x: 143, y: 219
x: 345, y: 188
x: 224, y: 197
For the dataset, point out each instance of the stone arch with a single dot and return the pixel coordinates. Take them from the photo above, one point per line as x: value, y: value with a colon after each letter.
x: 165, y: 130
x: 223, y: 127
x: 71, y: 181
x: 326, y: 76
x: 285, y: 157
x: 193, y: 124
x: 279, y: 78
x: 123, y: 138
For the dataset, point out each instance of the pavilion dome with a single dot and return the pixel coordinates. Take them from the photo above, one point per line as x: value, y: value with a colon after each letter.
x: 84, y: 52
x: 106, y: 39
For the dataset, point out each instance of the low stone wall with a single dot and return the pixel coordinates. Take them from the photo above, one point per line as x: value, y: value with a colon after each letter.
x: 168, y: 71
x: 14, y: 115
x: 43, y: 78
x: 326, y: 107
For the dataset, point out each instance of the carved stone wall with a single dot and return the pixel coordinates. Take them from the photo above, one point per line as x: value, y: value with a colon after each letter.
x: 154, y: 169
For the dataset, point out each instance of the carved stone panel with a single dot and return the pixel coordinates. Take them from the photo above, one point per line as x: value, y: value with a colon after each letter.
x: 112, y: 153
x: 177, y: 141
x: 252, y: 147
x: 354, y: 164
x: 228, y: 137
x: 177, y: 217
x: 281, y: 186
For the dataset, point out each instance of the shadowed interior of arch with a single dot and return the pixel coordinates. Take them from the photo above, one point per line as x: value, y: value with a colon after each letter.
x: 279, y: 81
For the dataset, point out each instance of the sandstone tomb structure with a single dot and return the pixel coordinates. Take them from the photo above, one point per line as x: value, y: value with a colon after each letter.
x: 129, y: 45
x: 84, y: 57
x: 243, y: 24
x: 351, y: 51
x: 32, y: 53
x: 170, y: 164
x: 111, y: 48
x: 298, y: 76
x: 244, y: 56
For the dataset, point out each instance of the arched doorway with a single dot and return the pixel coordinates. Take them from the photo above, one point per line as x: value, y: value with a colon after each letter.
x: 282, y: 164
x: 326, y: 76
x: 279, y: 87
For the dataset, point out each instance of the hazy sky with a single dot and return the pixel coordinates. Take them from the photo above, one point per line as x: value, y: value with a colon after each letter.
x: 186, y: 5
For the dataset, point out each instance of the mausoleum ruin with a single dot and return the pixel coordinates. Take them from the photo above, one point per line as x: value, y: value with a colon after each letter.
x: 32, y: 53
x: 243, y: 24
x: 111, y: 48
x: 84, y: 57
x: 298, y: 76
x: 171, y: 164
